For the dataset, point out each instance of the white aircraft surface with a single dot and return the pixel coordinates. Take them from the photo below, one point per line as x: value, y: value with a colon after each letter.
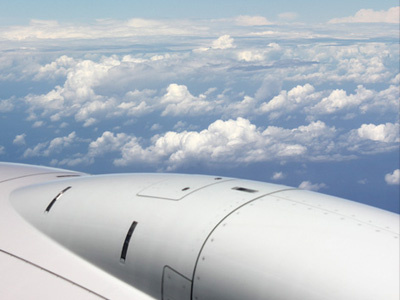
x: 69, y: 235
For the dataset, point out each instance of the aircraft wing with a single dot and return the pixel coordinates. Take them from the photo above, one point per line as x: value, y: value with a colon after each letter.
x: 66, y: 234
x: 33, y: 266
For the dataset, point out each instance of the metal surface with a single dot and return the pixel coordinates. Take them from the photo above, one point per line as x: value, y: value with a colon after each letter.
x: 295, y: 250
x: 181, y: 237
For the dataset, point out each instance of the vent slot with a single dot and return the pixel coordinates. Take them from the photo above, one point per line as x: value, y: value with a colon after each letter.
x: 127, y: 241
x: 55, y: 199
x: 68, y: 175
x: 242, y: 189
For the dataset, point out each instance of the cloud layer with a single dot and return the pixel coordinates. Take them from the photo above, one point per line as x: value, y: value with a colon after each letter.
x: 200, y: 95
x: 371, y: 16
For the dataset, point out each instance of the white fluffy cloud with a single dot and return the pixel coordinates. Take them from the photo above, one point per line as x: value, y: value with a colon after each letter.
x: 371, y: 16
x: 278, y: 176
x: 288, y: 101
x: 223, y: 42
x: 77, y: 95
x: 307, y: 185
x: 19, y: 139
x: 6, y: 105
x: 151, y: 95
x: 232, y: 141
x: 393, y: 178
x: 388, y: 133
x: 56, y: 145
x: 58, y: 68
x: 338, y: 100
x: 179, y: 101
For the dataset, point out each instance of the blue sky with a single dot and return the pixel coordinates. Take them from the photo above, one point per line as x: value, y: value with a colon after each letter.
x: 298, y: 93
x: 20, y: 11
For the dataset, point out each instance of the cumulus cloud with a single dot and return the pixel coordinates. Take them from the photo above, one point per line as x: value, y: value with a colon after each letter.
x: 288, y: 101
x: 179, y: 101
x: 338, y: 100
x: 223, y: 42
x: 307, y: 185
x: 388, y: 133
x: 372, y: 139
x: 278, y: 176
x: 108, y: 142
x: 56, y: 145
x: 236, y: 101
x: 77, y: 96
x: 38, y: 124
x: 6, y: 105
x: 2, y: 150
x: 58, y: 68
x: 393, y: 178
x: 272, y: 51
x: 371, y: 16
x: 232, y: 141
x: 19, y: 139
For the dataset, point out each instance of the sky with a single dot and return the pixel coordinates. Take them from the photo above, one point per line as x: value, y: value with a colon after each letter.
x: 300, y: 93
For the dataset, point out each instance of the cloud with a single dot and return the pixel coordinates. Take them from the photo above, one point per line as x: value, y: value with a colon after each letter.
x: 77, y: 96
x: 56, y: 145
x: 232, y: 141
x: 252, y: 21
x: 155, y: 127
x: 278, y: 176
x: 362, y: 181
x: 179, y: 101
x: 6, y: 105
x: 371, y: 139
x: 288, y: 101
x: 38, y: 124
x: 108, y: 142
x: 371, y: 16
x: 58, y: 68
x: 103, y: 28
x: 223, y: 42
x: 338, y: 100
x: 237, y: 101
x: 387, y: 133
x: 307, y: 185
x: 2, y: 150
x: 393, y: 178
x: 19, y: 139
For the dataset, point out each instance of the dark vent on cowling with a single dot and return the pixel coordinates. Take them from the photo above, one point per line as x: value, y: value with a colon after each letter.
x: 68, y: 175
x: 55, y: 199
x: 127, y: 241
x: 242, y: 189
